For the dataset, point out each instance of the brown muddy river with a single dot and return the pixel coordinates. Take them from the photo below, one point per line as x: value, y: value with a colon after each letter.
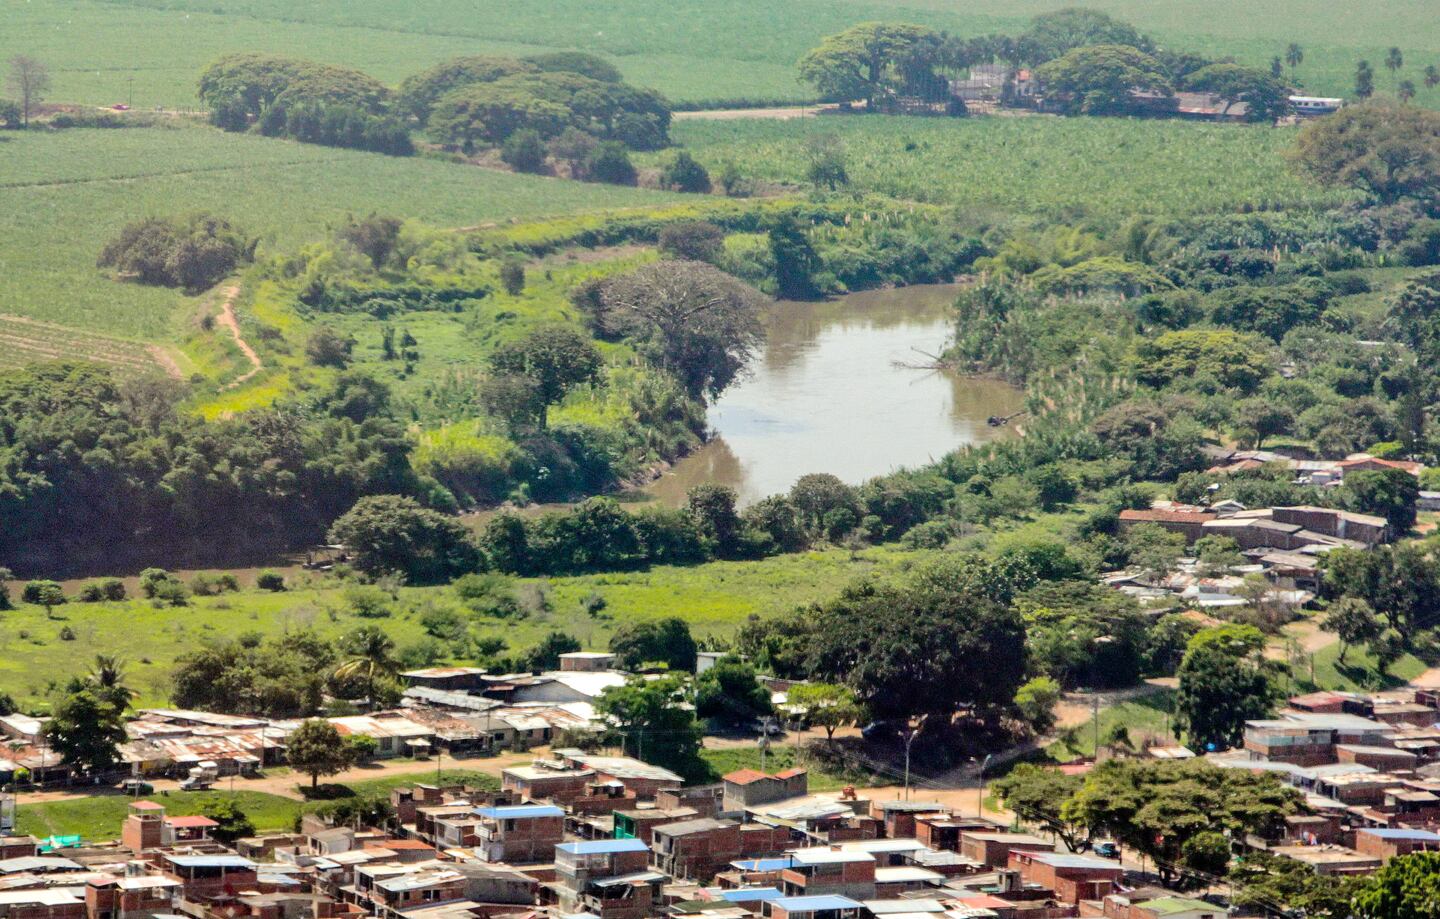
x: 827, y: 395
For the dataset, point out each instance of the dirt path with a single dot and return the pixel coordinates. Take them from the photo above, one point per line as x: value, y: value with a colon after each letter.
x: 227, y: 319
x: 741, y: 114
x: 167, y: 361
x: 286, y: 784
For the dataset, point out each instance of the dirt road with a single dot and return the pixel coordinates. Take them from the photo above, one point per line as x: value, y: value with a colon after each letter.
x: 741, y: 114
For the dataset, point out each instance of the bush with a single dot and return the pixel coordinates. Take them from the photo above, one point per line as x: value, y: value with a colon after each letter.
x: 610, y: 163
x: 683, y: 173
x: 512, y: 277
x: 327, y: 347
x: 103, y: 589
x: 270, y: 580
x: 192, y: 253
x: 695, y: 240
x: 67, y: 633
x: 524, y: 151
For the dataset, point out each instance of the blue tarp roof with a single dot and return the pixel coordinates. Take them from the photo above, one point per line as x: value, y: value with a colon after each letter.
x: 751, y: 894
x: 520, y: 811
x: 1397, y: 833
x: 603, y: 846
x: 814, y: 904
x: 764, y: 864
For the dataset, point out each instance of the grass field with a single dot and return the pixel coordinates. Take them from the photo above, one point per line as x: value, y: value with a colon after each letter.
x: 1146, y: 718
x: 1044, y: 166
x: 99, y: 817
x: 781, y: 756
x: 25, y: 341
x: 105, y: 50
x: 714, y: 598
x: 64, y: 194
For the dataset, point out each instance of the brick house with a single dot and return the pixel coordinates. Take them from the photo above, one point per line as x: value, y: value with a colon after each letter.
x: 696, y: 849
x: 1072, y: 877
x: 138, y: 897
x: 1389, y: 843
x: 205, y: 876
x: 1189, y: 524
x: 746, y: 788
x: 993, y: 849
x: 830, y: 906
x: 829, y: 870
x: 898, y: 817
x: 607, y: 877
x: 540, y: 783
x: 518, y: 832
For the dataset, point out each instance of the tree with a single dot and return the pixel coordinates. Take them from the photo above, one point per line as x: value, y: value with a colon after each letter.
x: 551, y: 361
x: 1161, y: 808
x: 375, y: 237
x: 524, y: 151
x: 43, y: 593
x: 1265, y: 97
x: 609, y: 162
x: 826, y: 161
x: 512, y: 276
x: 587, y: 65
x: 694, y: 321
x: 1153, y: 549
x: 87, y: 732
x: 28, y: 82
x: 684, y: 173
x: 1101, y: 79
x: 10, y: 115
x: 192, y: 253
x: 546, y: 655
x: 1388, y: 493
x: 873, y: 61
x: 573, y: 148
x: 1261, y: 419
x: 692, y: 240
x: 902, y: 647
x: 1037, y: 794
x: 329, y: 347
x: 1404, y: 888
x: 818, y: 495
x: 1405, y: 91
x: 1294, y: 57
x: 1277, y: 69
x: 1217, y: 554
x: 1364, y: 80
x: 828, y: 705
x: 1231, y: 358
x: 1262, y: 880
x: 5, y: 575
x: 1432, y: 76
x: 233, y: 823
x: 729, y: 692
x: 316, y: 748
x: 795, y: 260
x: 391, y: 533
x: 712, y: 507
x: 419, y: 92
x: 1052, y: 35
x: 655, y: 641
x: 654, y: 722
x: 1224, y: 681
x: 107, y: 680
x: 370, y: 658
x: 1036, y: 701
x: 1394, y: 60
x: 1400, y: 582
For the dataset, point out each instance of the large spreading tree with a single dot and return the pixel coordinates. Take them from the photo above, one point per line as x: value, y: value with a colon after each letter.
x: 1224, y: 681
x: 1389, y: 152
x: 876, y: 62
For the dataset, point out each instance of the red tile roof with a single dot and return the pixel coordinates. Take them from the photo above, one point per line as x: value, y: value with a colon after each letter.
x: 745, y: 776
x: 147, y: 806
x: 790, y: 773
x: 194, y: 822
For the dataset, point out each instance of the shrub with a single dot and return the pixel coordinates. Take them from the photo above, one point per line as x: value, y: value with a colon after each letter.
x: 327, y: 347
x: 67, y: 633
x: 192, y: 253
x: 683, y: 173
x: 512, y: 277
x: 696, y: 240
x: 610, y: 162
x: 103, y: 589
x: 270, y: 580
x: 524, y: 151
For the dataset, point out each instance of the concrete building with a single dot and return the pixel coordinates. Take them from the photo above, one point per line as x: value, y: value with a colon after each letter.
x: 1072, y: 878
x: 829, y: 870
x: 1388, y: 843
x: 518, y: 832
x: 696, y: 849
x: 993, y: 849
x: 609, y: 878
x: 747, y: 788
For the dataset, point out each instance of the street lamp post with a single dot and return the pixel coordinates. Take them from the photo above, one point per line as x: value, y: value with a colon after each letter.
x: 914, y: 732
x: 980, y: 791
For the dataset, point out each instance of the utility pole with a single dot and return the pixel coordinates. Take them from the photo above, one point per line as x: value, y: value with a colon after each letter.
x: 914, y: 732
x: 980, y: 791
x: 1095, y: 710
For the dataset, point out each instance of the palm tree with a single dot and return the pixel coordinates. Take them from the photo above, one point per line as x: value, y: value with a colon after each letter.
x: 1394, y: 60
x: 1406, y: 91
x: 1432, y: 76
x: 370, y: 656
x: 107, y: 678
x: 1294, y: 56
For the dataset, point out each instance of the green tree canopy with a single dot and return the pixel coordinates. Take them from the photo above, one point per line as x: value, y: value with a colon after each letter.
x: 654, y: 723
x: 1055, y: 34
x: 729, y: 691
x: 1265, y: 97
x: 828, y: 705
x: 391, y: 533
x: 874, y: 61
x: 655, y: 641
x: 1224, y: 681
x: 1387, y: 151
x: 237, y: 88
x: 86, y: 731
x: 1101, y: 79
x: 549, y: 362
x: 316, y: 748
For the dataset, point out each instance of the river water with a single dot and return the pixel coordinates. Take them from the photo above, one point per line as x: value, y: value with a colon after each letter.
x: 828, y: 395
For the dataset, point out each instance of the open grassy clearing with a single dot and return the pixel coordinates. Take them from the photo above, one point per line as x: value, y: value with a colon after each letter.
x: 714, y: 598
x: 1148, y: 718
x: 694, y: 51
x: 1043, y: 166
x: 781, y: 756
x: 63, y: 195
x: 99, y: 817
